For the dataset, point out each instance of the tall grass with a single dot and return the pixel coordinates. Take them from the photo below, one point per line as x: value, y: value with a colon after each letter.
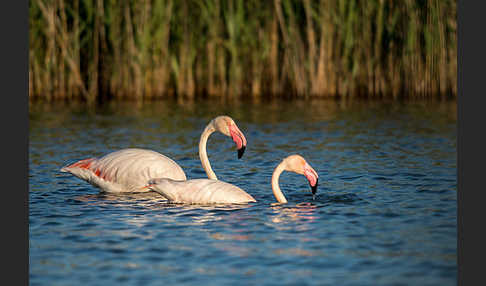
x: 98, y: 49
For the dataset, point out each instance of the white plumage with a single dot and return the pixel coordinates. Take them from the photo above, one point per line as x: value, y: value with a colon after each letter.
x: 207, y: 191
x: 200, y: 191
x: 129, y: 170
x: 126, y: 170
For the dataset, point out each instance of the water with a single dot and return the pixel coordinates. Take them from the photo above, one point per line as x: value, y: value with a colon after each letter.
x: 385, y: 211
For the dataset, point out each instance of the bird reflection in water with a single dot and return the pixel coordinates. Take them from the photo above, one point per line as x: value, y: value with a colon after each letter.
x: 147, y: 200
x: 301, y: 211
x: 296, y: 218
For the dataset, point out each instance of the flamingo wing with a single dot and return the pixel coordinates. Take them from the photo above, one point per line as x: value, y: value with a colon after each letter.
x: 126, y: 170
x: 200, y: 191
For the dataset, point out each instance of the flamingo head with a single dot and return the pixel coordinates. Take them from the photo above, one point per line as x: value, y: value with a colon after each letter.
x: 297, y: 164
x: 228, y: 127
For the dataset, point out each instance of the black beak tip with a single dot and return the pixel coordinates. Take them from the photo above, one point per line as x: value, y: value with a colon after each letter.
x: 314, y: 188
x: 241, y: 151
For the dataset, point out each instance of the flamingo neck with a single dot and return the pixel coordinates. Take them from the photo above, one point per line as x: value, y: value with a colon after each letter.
x: 275, y: 187
x: 203, y: 156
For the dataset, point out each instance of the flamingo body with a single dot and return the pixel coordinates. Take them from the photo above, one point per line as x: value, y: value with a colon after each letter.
x: 207, y: 191
x: 129, y: 170
x: 126, y: 170
x: 200, y: 191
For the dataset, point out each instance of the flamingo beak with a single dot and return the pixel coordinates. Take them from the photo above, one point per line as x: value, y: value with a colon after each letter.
x: 238, y: 138
x: 314, y: 189
x: 313, y: 179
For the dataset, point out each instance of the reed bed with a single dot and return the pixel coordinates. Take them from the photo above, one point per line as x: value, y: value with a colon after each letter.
x: 104, y: 49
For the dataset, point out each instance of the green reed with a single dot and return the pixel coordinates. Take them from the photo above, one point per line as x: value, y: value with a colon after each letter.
x: 99, y: 49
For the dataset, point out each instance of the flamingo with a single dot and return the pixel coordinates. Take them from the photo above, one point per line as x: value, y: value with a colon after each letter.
x: 128, y: 170
x: 206, y: 191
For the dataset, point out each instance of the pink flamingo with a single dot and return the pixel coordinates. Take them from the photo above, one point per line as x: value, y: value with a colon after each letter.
x: 129, y: 170
x: 205, y: 191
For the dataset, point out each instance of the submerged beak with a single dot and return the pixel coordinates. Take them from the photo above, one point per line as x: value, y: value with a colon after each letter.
x: 241, y: 151
x: 314, y: 189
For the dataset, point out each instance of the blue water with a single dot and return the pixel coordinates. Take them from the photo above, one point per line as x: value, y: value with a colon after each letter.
x: 385, y: 211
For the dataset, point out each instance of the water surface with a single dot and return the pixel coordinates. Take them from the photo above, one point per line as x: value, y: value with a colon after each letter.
x: 385, y: 211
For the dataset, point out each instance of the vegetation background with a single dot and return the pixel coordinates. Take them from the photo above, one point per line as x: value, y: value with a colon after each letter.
x: 106, y: 49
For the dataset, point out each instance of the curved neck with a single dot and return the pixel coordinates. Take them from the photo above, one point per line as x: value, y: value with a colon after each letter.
x: 275, y: 187
x: 203, y: 156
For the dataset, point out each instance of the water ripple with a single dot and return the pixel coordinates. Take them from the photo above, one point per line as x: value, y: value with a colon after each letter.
x: 384, y: 214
